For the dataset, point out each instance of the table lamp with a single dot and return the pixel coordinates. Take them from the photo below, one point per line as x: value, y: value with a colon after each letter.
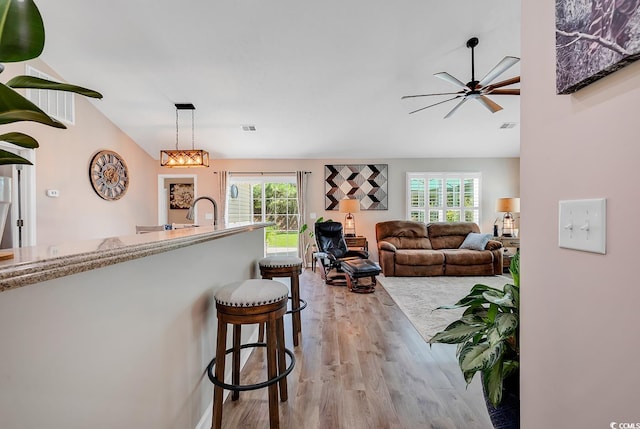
x: 349, y: 206
x: 508, y: 206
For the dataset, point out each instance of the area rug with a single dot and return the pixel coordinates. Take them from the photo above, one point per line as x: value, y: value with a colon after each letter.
x: 418, y: 297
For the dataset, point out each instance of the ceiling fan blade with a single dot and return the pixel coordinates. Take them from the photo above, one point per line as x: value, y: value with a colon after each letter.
x: 489, y: 104
x: 515, y: 91
x: 456, y: 108
x: 429, y: 95
x: 447, y: 77
x: 502, y: 83
x: 500, y: 68
x: 435, y: 104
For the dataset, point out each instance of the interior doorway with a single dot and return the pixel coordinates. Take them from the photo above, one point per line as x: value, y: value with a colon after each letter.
x: 20, y: 227
x: 173, y: 197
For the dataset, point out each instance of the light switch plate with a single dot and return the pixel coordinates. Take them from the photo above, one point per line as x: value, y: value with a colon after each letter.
x: 583, y: 225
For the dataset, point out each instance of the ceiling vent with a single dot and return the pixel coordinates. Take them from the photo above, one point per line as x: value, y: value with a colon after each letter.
x: 248, y: 127
x: 507, y: 125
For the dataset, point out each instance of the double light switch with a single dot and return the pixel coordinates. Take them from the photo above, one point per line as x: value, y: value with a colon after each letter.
x: 582, y: 225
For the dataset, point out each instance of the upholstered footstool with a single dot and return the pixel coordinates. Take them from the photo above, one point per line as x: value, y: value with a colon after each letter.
x: 355, y: 269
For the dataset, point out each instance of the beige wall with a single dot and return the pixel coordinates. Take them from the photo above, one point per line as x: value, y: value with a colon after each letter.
x: 579, y: 310
x: 62, y: 163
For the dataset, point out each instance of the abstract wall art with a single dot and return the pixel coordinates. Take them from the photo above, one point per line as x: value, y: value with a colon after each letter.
x: 593, y: 39
x: 365, y: 182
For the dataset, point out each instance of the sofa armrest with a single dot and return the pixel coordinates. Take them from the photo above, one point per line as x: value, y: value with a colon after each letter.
x: 493, y: 245
x: 385, y: 245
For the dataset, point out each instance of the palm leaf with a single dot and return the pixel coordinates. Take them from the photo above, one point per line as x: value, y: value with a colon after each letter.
x: 33, y: 82
x: 21, y: 31
x: 20, y: 139
x: 14, y: 107
x: 12, y: 158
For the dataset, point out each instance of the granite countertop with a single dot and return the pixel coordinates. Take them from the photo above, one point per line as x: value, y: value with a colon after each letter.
x: 39, y: 263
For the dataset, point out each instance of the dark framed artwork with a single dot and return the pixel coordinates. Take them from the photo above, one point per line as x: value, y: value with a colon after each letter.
x: 180, y: 195
x: 593, y: 39
x: 366, y: 182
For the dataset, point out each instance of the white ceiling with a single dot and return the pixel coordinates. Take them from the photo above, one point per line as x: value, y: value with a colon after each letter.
x: 317, y: 79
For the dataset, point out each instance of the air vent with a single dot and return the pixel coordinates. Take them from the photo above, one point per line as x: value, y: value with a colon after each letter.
x: 58, y: 104
x: 507, y: 125
x: 248, y: 128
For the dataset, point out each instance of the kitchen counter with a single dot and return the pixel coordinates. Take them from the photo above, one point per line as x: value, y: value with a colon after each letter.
x: 38, y: 263
x: 117, y: 333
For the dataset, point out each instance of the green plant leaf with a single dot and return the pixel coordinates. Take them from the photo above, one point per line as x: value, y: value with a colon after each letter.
x: 493, y: 381
x: 21, y: 31
x: 500, y: 299
x: 506, y: 323
x: 479, y: 356
x: 20, y: 139
x: 39, y: 83
x: 456, y: 332
x: 14, y: 107
x: 12, y: 158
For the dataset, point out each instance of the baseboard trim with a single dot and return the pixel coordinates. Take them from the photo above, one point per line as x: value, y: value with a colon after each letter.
x: 205, y: 420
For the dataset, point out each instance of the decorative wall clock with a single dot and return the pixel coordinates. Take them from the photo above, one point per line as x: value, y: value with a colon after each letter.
x: 109, y: 175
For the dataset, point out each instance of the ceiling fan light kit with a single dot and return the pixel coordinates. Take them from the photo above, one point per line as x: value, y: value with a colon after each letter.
x: 476, y: 89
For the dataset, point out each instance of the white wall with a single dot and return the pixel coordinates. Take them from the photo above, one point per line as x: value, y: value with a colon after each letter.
x: 579, y: 310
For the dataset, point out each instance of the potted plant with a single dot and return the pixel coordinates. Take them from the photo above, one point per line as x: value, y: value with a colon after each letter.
x: 487, y: 338
x: 308, y: 239
x: 21, y: 39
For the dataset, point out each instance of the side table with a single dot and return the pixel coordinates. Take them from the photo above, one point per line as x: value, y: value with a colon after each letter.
x: 511, y: 245
x: 359, y: 242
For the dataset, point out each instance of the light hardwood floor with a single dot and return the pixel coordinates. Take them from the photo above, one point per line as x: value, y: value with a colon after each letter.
x: 361, y: 364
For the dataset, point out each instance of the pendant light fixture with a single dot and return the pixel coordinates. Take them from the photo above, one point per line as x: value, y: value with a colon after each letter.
x: 185, y: 158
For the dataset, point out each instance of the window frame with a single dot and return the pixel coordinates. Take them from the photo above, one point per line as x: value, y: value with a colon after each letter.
x: 424, y: 201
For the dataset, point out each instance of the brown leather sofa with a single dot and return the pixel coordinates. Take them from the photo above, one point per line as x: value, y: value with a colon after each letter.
x: 408, y: 248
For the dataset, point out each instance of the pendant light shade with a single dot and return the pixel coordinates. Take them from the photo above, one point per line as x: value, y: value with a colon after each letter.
x: 187, y: 157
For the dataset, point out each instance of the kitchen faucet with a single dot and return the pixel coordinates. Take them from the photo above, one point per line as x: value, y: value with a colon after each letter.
x: 190, y: 213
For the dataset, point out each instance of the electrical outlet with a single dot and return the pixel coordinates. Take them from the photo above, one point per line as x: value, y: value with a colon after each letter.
x: 583, y: 225
x: 53, y: 193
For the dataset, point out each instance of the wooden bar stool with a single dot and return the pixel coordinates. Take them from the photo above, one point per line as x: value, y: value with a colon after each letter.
x: 286, y: 266
x: 250, y: 302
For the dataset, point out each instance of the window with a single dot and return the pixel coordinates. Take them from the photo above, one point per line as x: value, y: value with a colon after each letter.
x: 268, y: 199
x: 443, y: 197
x: 58, y: 104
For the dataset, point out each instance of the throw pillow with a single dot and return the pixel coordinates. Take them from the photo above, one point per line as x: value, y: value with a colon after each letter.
x: 475, y: 241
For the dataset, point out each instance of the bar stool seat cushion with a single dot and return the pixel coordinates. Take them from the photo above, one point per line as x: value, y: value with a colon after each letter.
x: 280, y: 261
x: 251, y: 293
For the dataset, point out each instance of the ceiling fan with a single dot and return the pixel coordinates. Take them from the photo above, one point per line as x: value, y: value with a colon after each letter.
x: 476, y: 89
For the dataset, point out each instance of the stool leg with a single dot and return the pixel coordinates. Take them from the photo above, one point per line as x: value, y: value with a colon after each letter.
x: 272, y: 371
x: 282, y: 364
x: 261, y: 326
x: 220, y: 361
x: 295, y: 304
x: 235, y: 375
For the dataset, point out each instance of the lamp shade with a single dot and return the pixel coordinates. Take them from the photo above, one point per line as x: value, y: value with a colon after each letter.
x: 347, y: 205
x: 508, y: 205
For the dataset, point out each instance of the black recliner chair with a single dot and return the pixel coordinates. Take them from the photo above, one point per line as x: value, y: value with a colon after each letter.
x: 332, y: 250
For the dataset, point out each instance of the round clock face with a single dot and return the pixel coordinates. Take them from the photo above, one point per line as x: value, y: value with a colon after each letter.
x: 109, y: 175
